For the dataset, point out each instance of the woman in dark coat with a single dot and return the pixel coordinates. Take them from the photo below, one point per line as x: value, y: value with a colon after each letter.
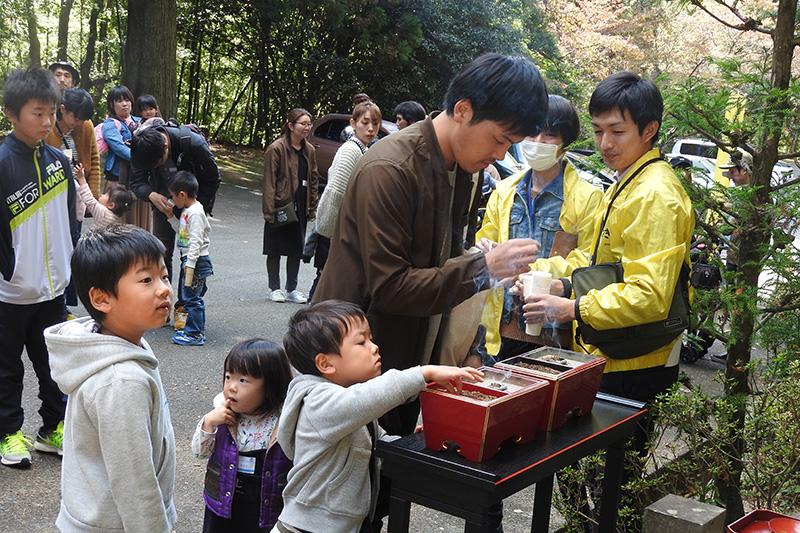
x: 290, y: 176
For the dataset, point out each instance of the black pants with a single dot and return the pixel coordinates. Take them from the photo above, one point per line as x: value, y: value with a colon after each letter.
x: 23, y: 326
x: 163, y: 231
x: 274, y: 272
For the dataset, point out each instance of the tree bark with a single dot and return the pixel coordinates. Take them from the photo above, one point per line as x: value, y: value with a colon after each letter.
x: 755, y: 230
x: 63, y: 29
x: 91, y: 47
x: 33, y: 35
x: 150, y: 64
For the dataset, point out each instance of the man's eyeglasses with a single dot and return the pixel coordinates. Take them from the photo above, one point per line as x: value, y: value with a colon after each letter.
x: 303, y: 124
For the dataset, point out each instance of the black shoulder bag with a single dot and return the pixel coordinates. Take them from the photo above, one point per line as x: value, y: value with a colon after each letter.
x: 633, y: 341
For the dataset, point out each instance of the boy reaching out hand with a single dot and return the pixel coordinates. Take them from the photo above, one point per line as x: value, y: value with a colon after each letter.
x: 328, y: 424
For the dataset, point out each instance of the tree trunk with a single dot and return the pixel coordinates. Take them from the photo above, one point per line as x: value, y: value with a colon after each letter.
x: 755, y: 230
x: 63, y: 29
x: 33, y: 35
x: 91, y: 47
x: 150, y: 52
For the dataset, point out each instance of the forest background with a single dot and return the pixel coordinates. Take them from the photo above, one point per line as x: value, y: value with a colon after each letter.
x: 235, y: 68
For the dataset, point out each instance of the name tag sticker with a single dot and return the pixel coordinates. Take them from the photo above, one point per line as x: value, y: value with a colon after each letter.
x: 247, y: 465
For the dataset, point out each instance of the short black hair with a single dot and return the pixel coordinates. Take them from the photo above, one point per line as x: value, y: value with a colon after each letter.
x: 146, y: 101
x: 78, y: 102
x: 319, y: 328
x: 102, y: 257
x: 506, y: 90
x: 184, y: 181
x: 123, y: 199
x: 118, y: 92
x: 265, y: 360
x: 22, y: 86
x: 625, y: 91
x: 562, y: 120
x: 147, y: 147
x: 411, y: 111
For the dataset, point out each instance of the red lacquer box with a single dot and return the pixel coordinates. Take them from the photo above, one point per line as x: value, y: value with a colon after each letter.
x: 475, y: 428
x: 763, y: 521
x: 574, y: 379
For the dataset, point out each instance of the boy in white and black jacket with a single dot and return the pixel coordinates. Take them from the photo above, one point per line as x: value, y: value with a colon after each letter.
x: 38, y: 230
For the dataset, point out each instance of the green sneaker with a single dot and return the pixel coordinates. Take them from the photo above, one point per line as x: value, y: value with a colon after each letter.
x: 52, y: 442
x: 14, y: 450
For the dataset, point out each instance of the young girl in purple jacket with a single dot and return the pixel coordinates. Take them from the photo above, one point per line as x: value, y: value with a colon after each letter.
x: 247, y: 469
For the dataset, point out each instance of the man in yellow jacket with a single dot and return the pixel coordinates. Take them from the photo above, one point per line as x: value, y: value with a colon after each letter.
x: 648, y: 229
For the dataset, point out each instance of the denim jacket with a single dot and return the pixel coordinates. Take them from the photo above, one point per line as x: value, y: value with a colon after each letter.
x: 542, y: 225
x: 220, y: 481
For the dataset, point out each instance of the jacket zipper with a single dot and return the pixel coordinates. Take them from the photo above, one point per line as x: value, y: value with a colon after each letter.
x: 44, y: 217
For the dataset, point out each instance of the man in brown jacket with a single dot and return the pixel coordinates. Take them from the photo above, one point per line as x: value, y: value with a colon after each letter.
x: 74, y: 135
x: 410, y: 210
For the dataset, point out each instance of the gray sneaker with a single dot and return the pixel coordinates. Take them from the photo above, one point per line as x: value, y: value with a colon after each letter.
x: 296, y: 297
x: 277, y: 296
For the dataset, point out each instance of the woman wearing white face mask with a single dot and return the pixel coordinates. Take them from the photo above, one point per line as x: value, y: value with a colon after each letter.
x: 547, y: 202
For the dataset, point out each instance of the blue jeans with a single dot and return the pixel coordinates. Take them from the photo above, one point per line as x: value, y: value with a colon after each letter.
x: 192, y: 296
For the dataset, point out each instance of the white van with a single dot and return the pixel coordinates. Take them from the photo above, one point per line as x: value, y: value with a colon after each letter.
x: 694, y: 150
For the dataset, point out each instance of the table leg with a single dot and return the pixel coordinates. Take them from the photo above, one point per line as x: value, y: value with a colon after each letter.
x: 541, y: 505
x: 399, y: 515
x: 612, y: 484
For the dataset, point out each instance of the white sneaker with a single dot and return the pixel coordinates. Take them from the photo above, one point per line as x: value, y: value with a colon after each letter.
x: 277, y: 296
x: 296, y: 297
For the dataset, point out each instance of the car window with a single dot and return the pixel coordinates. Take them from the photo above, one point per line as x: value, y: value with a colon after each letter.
x: 699, y: 150
x: 331, y: 129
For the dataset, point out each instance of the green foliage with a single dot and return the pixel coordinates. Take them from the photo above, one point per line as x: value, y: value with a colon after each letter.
x: 708, y: 428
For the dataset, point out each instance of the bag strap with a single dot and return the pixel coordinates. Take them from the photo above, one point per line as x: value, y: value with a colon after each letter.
x: 593, y: 258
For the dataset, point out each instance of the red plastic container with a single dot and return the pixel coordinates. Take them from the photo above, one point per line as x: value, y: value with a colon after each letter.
x: 758, y: 521
x: 476, y: 428
x: 572, y: 389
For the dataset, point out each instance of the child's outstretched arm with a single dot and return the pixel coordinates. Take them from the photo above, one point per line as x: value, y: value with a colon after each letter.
x: 450, y: 377
x: 80, y: 175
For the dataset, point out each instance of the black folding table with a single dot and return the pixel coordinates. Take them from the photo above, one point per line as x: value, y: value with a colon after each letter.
x: 443, y: 480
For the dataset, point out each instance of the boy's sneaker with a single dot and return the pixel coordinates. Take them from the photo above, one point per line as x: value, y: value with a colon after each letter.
x: 277, y: 296
x: 53, y: 442
x: 296, y: 297
x: 189, y: 340
x: 14, y: 450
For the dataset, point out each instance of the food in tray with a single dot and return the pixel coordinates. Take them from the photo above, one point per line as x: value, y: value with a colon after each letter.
x: 479, y: 396
x: 539, y: 368
x: 553, y: 359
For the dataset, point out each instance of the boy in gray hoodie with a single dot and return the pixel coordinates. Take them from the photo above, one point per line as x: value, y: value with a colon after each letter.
x: 118, y: 471
x: 328, y: 427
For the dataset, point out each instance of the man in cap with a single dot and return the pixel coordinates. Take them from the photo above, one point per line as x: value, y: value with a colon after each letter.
x: 66, y: 75
x: 738, y: 169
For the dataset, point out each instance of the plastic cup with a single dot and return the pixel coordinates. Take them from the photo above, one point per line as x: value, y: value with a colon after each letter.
x: 535, y: 283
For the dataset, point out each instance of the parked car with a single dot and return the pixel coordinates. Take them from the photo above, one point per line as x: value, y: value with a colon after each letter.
x: 588, y: 170
x: 694, y: 150
x: 703, y: 154
x: 326, y: 137
x: 512, y: 163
